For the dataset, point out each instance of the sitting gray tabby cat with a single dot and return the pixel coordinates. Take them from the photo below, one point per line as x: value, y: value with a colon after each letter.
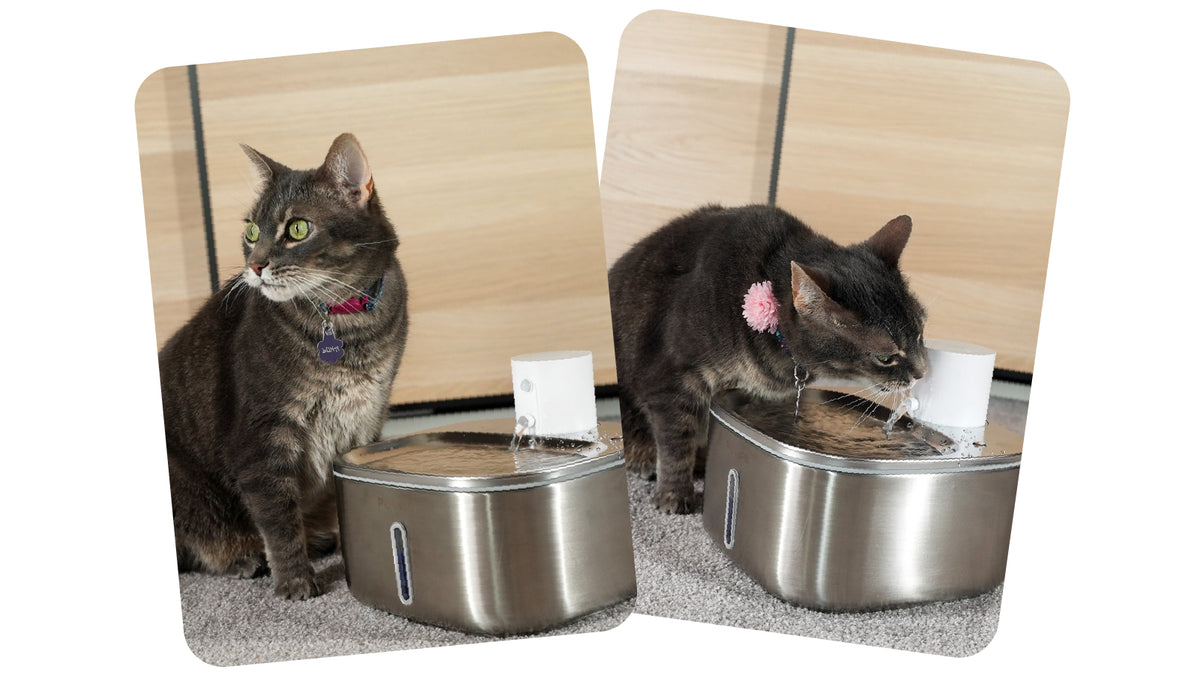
x: 749, y: 298
x: 290, y: 363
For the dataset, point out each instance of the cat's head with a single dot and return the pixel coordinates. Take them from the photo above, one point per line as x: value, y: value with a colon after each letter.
x: 857, y: 315
x: 317, y: 234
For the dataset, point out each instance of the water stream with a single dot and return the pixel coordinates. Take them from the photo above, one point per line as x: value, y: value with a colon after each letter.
x: 906, y: 405
x: 524, y: 425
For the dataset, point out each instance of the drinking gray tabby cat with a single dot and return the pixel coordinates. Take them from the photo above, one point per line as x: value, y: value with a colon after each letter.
x: 290, y: 363
x: 749, y: 298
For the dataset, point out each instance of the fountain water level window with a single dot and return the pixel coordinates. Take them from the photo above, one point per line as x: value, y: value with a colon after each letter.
x: 479, y: 529
x: 839, y: 504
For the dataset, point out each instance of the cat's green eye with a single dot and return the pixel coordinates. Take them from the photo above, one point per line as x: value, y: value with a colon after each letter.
x: 885, y: 359
x: 251, y: 232
x: 299, y: 228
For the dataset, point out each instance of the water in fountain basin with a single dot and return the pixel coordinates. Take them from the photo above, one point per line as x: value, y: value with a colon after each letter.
x: 531, y: 450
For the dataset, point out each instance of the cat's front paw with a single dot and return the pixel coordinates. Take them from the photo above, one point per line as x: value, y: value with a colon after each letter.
x: 676, y: 501
x: 300, y: 587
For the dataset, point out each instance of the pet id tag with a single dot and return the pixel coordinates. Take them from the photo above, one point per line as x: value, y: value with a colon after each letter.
x: 330, y: 348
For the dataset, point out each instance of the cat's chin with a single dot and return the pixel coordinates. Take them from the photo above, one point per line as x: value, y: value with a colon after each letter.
x: 272, y: 291
x: 897, y: 387
x: 277, y: 293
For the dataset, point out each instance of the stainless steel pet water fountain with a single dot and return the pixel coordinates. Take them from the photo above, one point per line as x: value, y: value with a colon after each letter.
x: 477, y: 528
x: 826, y: 510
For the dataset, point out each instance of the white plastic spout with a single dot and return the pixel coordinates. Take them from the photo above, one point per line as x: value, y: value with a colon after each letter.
x: 555, y: 394
x: 953, y: 396
x: 956, y: 389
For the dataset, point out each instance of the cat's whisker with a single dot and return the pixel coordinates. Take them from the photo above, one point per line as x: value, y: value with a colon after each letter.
x: 315, y: 305
x: 844, y: 396
x: 324, y: 297
x: 865, y: 405
x: 233, y: 287
x: 331, y: 289
x: 329, y: 272
x: 231, y: 272
x: 867, y: 414
x: 310, y: 285
x: 858, y: 421
x: 238, y: 288
x: 381, y: 241
x: 864, y: 395
x: 892, y: 400
x: 874, y: 400
x: 852, y: 393
x: 316, y: 280
x: 857, y: 400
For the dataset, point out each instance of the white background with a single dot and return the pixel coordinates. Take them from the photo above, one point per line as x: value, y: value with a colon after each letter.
x: 1100, y: 570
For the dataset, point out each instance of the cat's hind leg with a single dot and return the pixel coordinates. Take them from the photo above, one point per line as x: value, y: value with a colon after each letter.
x: 228, y: 558
x: 321, y: 526
x: 321, y: 544
x: 679, y: 422
x: 640, y: 455
x: 220, y: 550
x: 213, y: 532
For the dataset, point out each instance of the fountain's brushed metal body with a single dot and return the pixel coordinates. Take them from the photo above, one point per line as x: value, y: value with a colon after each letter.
x: 452, y: 528
x: 847, y: 528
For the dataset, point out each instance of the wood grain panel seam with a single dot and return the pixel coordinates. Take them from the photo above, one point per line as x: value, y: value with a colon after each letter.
x: 210, y: 243
x: 781, y: 115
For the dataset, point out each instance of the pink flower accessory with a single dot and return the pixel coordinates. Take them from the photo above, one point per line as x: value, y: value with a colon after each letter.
x: 760, y: 308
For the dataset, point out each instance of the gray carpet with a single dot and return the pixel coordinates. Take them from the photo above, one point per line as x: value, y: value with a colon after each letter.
x: 237, y: 621
x: 681, y: 575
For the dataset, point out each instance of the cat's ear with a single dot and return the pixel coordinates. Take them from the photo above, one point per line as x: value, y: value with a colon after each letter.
x: 264, y: 166
x: 809, y: 292
x: 889, y: 242
x: 347, y: 167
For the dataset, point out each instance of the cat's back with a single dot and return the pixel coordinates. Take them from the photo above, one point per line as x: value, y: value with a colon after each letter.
x: 712, y: 233
x: 711, y: 243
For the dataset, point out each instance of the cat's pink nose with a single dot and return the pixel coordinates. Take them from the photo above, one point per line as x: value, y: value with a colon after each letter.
x: 257, y: 268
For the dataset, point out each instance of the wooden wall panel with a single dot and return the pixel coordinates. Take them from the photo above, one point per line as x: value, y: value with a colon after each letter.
x: 171, y: 190
x: 483, y: 153
x: 692, y: 122
x: 968, y: 145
